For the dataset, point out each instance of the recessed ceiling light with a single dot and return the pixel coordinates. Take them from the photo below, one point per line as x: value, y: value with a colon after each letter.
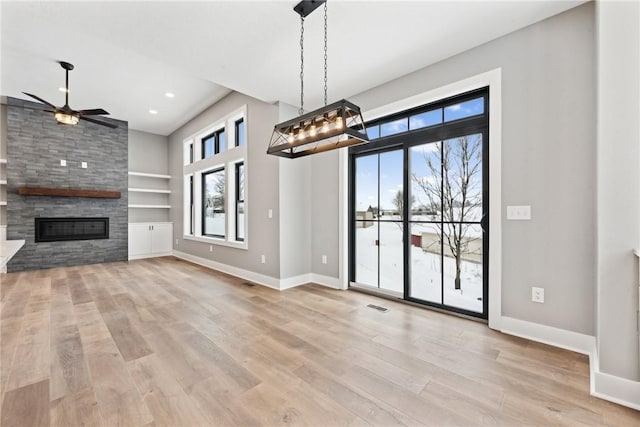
x: 169, y: 94
x: 63, y: 89
x: 153, y: 112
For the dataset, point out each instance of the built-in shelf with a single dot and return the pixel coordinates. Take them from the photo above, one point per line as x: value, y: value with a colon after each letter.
x: 150, y: 206
x: 150, y: 175
x: 3, y: 161
x: 3, y: 182
x: 68, y: 192
x: 3, y: 203
x: 149, y: 190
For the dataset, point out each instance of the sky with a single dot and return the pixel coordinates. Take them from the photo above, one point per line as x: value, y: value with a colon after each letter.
x: 391, y: 163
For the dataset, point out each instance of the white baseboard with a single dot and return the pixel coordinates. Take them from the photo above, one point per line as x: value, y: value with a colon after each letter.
x: 261, y: 279
x: 580, y: 343
x: 605, y: 386
x: 292, y: 282
x: 134, y: 257
x: 329, y: 282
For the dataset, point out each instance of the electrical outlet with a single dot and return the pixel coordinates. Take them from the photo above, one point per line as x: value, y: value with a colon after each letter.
x: 263, y: 259
x: 537, y: 295
x: 324, y: 259
x: 63, y: 163
x: 210, y: 248
x: 84, y: 165
x: 270, y: 213
x: 176, y: 241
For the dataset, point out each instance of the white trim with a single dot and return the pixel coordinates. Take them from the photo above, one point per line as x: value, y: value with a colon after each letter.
x: 150, y: 206
x: 261, y: 279
x: 216, y: 241
x: 150, y: 175
x: 605, y: 386
x: 146, y: 190
x: 3, y: 161
x: 329, y: 282
x: 492, y: 79
x: 343, y: 223
x: 292, y: 282
x: 556, y: 337
x: 143, y: 256
x: 616, y: 389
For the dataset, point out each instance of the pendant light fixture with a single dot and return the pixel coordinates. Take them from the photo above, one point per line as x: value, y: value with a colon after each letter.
x: 333, y: 126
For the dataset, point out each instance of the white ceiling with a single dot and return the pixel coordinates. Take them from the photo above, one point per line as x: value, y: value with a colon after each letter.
x: 128, y: 54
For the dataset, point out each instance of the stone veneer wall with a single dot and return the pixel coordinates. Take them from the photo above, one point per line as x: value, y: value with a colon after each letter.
x: 35, y: 146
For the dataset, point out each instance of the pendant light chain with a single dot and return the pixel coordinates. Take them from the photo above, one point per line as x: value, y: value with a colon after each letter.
x: 301, y: 109
x: 325, y: 54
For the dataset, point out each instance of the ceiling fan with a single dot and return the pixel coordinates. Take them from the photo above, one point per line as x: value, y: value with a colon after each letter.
x: 68, y: 116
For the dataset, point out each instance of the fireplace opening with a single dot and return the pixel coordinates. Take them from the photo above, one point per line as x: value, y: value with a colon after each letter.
x: 65, y: 229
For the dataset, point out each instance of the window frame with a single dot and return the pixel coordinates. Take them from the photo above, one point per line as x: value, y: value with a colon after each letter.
x: 203, y: 206
x: 226, y: 160
x: 236, y: 137
x: 238, y: 200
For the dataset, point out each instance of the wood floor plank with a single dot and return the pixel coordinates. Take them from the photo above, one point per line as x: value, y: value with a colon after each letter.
x: 79, y: 409
x: 161, y: 341
x: 26, y: 406
x: 119, y: 401
x: 167, y: 401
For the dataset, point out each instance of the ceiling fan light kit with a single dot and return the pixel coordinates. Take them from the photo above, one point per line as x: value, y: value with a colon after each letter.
x: 66, y: 115
x: 330, y: 127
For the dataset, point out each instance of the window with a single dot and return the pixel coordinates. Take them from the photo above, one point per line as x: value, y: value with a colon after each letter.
x: 239, y: 128
x: 239, y: 201
x: 215, y: 183
x: 213, y: 144
x: 213, y: 212
x: 426, y: 116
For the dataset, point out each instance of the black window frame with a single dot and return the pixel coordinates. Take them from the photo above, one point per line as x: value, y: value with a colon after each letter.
x: 204, y: 206
x: 238, y: 166
x: 216, y: 142
x: 238, y: 142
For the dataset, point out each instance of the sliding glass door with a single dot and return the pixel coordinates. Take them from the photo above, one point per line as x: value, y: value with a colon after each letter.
x: 418, y: 206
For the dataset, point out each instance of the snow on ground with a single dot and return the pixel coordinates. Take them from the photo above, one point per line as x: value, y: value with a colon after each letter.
x: 425, y: 268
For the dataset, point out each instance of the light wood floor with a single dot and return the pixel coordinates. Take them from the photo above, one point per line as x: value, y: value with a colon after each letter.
x: 164, y: 342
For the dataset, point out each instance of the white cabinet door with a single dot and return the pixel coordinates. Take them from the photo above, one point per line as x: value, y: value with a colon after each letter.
x: 139, y: 239
x: 161, y: 236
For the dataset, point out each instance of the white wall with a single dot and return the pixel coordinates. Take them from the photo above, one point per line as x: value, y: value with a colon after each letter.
x: 295, y: 208
x: 618, y: 189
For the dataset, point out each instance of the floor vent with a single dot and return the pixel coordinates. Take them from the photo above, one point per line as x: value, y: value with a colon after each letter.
x: 377, y: 307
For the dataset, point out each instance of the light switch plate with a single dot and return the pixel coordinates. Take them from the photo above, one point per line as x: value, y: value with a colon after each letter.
x: 63, y: 163
x: 519, y: 213
x: 84, y: 165
x: 270, y: 213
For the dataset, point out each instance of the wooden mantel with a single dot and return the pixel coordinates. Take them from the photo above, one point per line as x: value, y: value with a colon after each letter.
x: 68, y: 192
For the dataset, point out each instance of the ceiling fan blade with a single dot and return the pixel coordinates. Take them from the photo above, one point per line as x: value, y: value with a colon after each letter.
x: 41, y: 100
x: 92, y: 112
x: 98, y: 122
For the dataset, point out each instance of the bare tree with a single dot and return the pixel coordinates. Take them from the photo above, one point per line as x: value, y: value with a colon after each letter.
x: 455, y: 192
x: 398, y: 202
